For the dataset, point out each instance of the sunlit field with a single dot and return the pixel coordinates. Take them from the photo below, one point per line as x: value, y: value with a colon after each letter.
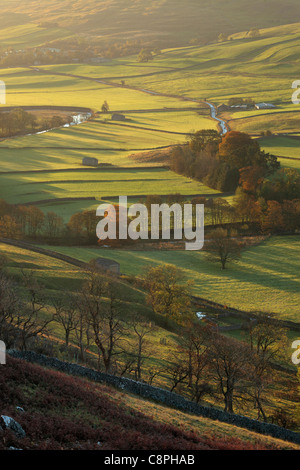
x: 264, y: 279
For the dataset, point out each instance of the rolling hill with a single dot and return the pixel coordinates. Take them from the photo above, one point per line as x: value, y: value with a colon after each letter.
x: 169, y: 22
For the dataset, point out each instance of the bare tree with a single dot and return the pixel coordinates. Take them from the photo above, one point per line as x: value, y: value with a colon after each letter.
x: 195, y: 346
x: 178, y: 373
x: 82, y: 330
x: 229, y: 361
x: 66, y: 316
x: 99, y: 303
x: 267, y: 341
x: 28, y: 320
x: 140, y: 344
x: 10, y: 303
x: 222, y: 247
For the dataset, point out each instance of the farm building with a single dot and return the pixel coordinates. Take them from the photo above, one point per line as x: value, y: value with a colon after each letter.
x: 105, y: 264
x: 118, y: 117
x: 223, y: 107
x: 89, y: 161
x: 265, y: 106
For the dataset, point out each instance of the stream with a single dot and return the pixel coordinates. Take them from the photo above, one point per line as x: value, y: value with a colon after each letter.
x: 213, y: 113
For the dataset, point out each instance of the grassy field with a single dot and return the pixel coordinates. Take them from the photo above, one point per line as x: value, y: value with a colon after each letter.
x: 264, y: 279
x: 57, y: 277
x: 276, y: 123
x: 100, y: 184
x: 285, y: 147
x: 261, y: 69
x: 31, y: 35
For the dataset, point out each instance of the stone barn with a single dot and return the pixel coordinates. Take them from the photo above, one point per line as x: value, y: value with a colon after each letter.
x: 89, y: 161
x: 223, y: 107
x: 118, y: 117
x: 105, y: 264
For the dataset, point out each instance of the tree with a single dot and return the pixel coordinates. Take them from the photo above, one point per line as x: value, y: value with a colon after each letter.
x: 66, y: 316
x: 273, y: 219
x: 222, y: 247
x: 10, y: 304
x: 251, y: 179
x: 229, y: 360
x: 267, y: 341
x: 29, y: 320
x: 240, y: 150
x: 99, y: 304
x: 222, y: 37
x: 246, y: 206
x: 254, y: 33
x: 9, y: 228
x: 53, y: 224
x: 193, y: 350
x: 201, y: 139
x: 34, y: 220
x: 283, y: 185
x: 105, y: 107
x: 145, y: 55
x: 167, y: 294
x: 220, y: 210
x: 140, y: 330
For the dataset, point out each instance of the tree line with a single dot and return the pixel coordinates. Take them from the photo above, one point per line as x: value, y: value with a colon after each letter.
x: 217, y: 160
x: 19, y: 121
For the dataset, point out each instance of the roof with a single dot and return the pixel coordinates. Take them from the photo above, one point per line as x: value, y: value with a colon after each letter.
x: 106, y: 262
x: 265, y: 105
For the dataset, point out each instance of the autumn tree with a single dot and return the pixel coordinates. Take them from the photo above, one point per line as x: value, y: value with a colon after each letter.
x: 168, y: 294
x: 9, y: 228
x: 273, y: 219
x: 34, y: 220
x: 247, y: 208
x: 53, y: 224
x: 251, y: 179
x: 240, y: 150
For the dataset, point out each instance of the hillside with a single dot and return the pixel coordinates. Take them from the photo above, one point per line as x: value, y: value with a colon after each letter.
x: 63, y: 412
x: 168, y: 22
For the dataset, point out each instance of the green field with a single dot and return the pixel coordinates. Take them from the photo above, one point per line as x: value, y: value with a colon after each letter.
x: 266, y: 278
x: 260, y: 68
x: 28, y: 187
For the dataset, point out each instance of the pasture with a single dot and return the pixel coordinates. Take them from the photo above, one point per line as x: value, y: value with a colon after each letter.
x: 101, y: 184
x: 265, y: 278
x: 260, y: 69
